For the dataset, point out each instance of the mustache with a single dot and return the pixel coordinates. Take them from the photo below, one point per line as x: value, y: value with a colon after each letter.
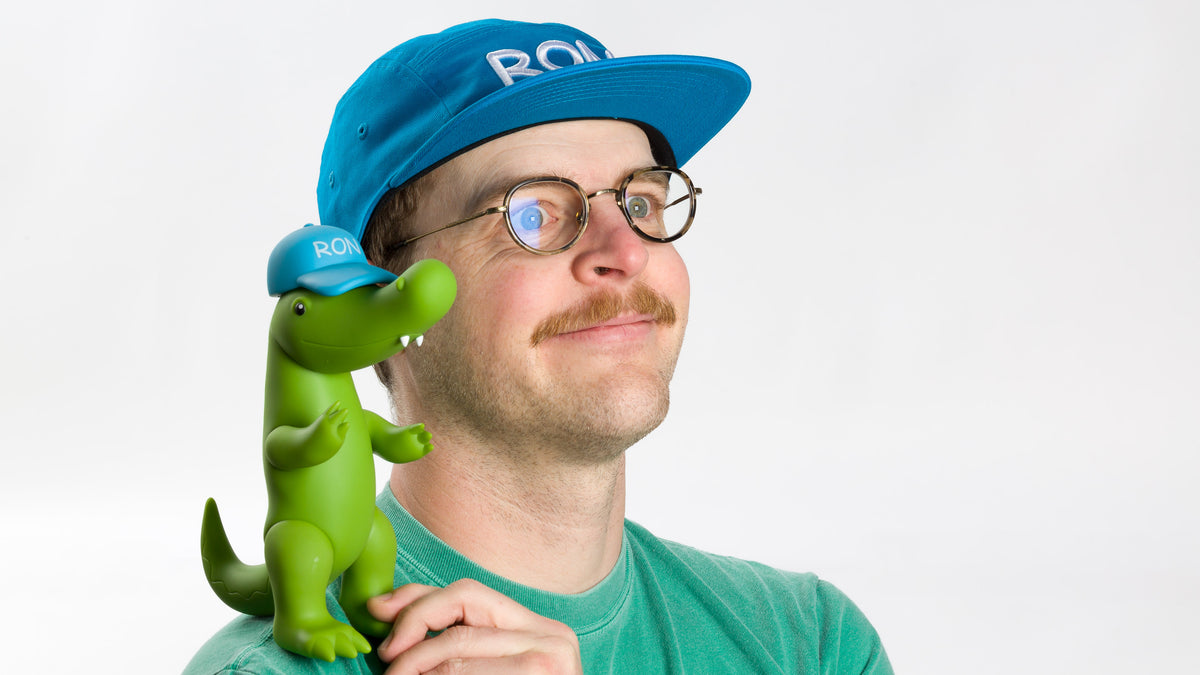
x: 604, y: 306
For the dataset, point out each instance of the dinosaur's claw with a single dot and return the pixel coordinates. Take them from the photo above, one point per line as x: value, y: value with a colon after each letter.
x: 322, y: 649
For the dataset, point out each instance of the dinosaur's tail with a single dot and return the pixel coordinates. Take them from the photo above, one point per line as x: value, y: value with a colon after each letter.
x: 246, y: 588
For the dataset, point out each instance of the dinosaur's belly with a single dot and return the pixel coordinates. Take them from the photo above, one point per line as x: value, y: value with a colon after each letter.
x: 337, y: 496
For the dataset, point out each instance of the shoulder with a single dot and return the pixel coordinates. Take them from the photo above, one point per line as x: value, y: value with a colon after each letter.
x: 800, y: 608
x: 725, y: 573
x: 246, y: 646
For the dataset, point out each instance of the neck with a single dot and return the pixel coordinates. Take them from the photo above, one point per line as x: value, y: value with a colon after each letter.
x: 542, y: 524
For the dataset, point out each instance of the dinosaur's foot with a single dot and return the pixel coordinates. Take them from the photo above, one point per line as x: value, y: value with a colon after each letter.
x: 361, y: 619
x: 321, y: 638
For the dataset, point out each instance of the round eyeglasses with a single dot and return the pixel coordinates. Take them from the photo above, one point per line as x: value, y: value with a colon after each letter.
x: 548, y: 215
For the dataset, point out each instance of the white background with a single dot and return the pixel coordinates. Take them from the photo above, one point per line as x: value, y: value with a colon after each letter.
x: 944, y: 333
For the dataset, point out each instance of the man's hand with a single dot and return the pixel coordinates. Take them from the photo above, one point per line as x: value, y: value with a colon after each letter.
x: 481, y: 631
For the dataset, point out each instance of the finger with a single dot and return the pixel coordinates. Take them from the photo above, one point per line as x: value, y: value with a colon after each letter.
x: 459, y: 643
x: 466, y: 602
x: 387, y: 607
x: 473, y: 649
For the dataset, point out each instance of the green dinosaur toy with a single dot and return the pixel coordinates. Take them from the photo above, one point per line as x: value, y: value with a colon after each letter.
x: 336, y: 314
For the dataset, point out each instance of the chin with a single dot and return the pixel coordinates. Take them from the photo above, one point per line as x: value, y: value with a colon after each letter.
x: 622, y: 418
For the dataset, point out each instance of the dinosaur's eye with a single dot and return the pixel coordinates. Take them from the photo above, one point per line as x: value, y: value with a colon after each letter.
x: 299, y: 308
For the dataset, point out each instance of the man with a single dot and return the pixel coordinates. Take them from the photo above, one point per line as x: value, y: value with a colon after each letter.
x: 542, y: 171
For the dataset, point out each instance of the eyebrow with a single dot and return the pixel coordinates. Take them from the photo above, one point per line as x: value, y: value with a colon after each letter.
x: 659, y: 179
x: 490, y: 192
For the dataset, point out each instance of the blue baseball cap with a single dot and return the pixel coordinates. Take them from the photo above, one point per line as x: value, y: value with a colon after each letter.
x: 326, y: 260
x: 438, y: 95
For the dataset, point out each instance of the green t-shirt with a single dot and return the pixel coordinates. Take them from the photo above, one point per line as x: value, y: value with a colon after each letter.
x: 665, y: 608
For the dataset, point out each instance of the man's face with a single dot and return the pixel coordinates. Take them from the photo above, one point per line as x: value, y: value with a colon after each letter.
x: 595, y: 379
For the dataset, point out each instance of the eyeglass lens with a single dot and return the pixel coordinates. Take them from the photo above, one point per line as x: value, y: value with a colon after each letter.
x: 548, y: 215
x: 659, y: 203
x: 545, y: 215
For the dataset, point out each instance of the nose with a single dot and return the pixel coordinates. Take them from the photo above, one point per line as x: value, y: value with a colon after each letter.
x: 609, y: 251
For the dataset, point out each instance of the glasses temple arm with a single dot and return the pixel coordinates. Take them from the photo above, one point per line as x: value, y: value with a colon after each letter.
x: 487, y: 212
x: 683, y: 199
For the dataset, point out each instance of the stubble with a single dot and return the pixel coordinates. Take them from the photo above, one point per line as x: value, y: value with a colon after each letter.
x: 564, y: 417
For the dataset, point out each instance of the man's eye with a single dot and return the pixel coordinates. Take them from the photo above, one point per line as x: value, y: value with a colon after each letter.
x: 638, y: 207
x: 531, y: 217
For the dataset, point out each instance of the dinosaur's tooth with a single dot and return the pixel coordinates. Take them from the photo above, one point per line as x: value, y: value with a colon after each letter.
x: 404, y: 341
x: 420, y: 339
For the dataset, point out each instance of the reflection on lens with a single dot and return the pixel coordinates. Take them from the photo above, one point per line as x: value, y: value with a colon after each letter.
x: 544, y: 215
x: 527, y: 216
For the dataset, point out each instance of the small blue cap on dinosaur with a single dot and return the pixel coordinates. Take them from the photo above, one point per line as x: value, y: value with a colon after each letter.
x: 323, y: 259
x: 336, y: 313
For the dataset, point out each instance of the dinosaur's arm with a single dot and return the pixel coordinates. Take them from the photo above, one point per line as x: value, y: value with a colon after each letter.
x: 397, y: 444
x: 288, y: 448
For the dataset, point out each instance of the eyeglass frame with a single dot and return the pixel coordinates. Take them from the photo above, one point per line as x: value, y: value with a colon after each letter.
x: 693, y: 192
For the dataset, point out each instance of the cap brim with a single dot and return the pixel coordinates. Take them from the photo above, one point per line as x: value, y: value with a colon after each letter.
x: 687, y: 99
x: 337, y: 279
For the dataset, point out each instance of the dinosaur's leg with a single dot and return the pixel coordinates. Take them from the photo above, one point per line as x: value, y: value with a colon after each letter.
x: 372, y: 574
x: 300, y: 559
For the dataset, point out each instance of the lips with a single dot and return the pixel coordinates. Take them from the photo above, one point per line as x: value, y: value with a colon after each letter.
x: 619, y: 322
x: 628, y: 329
